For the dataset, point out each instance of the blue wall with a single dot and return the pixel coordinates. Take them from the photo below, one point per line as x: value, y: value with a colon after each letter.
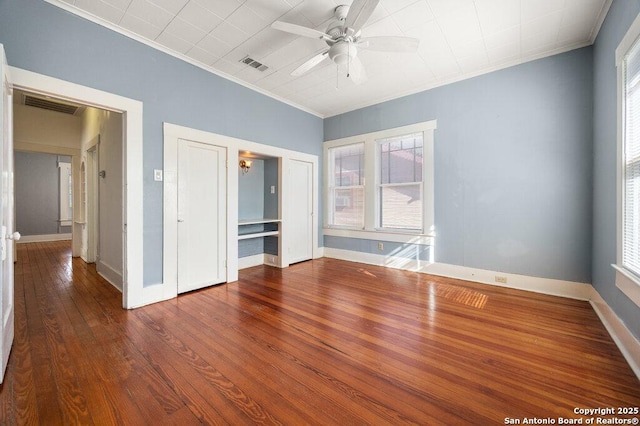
x: 620, y: 17
x: 513, y: 157
x: 45, y: 39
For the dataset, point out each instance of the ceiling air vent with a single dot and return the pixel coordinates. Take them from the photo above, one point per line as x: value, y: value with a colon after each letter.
x: 50, y: 105
x: 253, y: 63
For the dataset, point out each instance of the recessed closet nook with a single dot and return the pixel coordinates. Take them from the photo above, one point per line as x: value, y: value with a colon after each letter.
x: 230, y: 204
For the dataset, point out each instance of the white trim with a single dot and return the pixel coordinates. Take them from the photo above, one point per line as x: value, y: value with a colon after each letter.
x: 134, y: 292
x: 624, y: 339
x: 120, y: 30
x: 172, y: 133
x: 251, y: 261
x: 396, y: 237
x: 49, y: 149
x: 628, y: 283
x: 111, y: 275
x: 569, y: 289
x: 627, y: 41
x: 258, y: 259
x: 44, y: 238
x: 600, y: 21
x: 550, y: 286
x: 380, y: 134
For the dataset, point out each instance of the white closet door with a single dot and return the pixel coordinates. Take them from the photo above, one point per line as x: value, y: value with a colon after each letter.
x: 7, y: 213
x: 202, y: 233
x: 300, y: 222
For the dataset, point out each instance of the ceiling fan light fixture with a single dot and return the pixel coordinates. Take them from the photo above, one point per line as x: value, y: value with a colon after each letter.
x: 342, y: 52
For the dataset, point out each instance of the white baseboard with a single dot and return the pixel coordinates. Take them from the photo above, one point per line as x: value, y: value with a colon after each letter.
x: 624, y: 339
x: 44, y: 238
x: 570, y: 289
x: 258, y: 259
x: 250, y: 261
x: 626, y: 342
x: 553, y: 287
x: 108, y: 273
x: 272, y: 260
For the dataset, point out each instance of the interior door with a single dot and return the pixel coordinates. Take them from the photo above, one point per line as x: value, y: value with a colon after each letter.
x: 202, y: 215
x: 6, y: 215
x: 300, y: 225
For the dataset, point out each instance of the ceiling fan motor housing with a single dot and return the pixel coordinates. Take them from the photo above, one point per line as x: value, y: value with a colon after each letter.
x: 342, y: 52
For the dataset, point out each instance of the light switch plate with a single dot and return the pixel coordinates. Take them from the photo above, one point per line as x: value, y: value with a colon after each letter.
x: 157, y: 175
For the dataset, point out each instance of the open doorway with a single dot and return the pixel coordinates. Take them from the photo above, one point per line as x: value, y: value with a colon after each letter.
x: 89, y: 142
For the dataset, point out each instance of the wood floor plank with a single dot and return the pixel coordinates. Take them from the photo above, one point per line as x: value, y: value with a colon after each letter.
x: 321, y: 342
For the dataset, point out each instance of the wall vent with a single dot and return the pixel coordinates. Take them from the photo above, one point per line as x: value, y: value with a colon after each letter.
x: 253, y: 63
x: 50, y: 105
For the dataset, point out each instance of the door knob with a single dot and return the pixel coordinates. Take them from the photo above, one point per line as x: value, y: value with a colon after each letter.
x: 15, y: 236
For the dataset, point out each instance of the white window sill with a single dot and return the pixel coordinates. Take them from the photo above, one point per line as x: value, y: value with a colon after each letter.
x: 628, y: 283
x: 397, y: 237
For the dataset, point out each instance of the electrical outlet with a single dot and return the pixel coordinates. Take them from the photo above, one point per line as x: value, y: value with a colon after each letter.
x: 501, y: 279
x: 380, y: 246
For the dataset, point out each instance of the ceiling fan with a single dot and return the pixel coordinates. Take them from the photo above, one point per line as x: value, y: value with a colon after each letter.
x: 343, y: 37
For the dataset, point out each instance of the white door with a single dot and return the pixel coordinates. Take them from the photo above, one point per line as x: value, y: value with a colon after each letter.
x: 300, y: 225
x: 6, y: 215
x: 202, y: 215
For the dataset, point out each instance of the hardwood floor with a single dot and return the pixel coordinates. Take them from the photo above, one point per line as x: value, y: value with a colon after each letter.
x: 323, y: 342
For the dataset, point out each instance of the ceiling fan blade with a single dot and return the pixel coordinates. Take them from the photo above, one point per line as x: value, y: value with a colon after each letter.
x: 390, y: 44
x: 356, y: 71
x: 315, y: 60
x: 359, y: 12
x: 299, y: 30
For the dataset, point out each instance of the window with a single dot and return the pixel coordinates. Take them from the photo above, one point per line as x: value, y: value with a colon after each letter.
x: 346, y: 185
x: 628, y: 251
x: 400, y: 182
x: 631, y: 163
x: 66, y: 194
x: 381, y: 183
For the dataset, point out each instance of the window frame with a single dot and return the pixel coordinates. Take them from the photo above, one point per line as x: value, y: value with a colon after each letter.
x: 626, y: 280
x: 372, y: 229
x: 380, y: 185
x: 330, y: 199
x: 65, y: 193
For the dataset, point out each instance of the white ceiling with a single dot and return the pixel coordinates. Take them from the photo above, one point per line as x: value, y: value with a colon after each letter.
x: 458, y: 39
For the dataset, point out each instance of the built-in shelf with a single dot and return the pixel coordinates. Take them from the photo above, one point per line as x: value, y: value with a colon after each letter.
x: 257, y: 221
x: 262, y: 232
x: 258, y: 235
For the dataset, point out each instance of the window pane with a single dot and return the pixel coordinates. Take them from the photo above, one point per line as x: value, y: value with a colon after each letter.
x: 348, y: 165
x: 348, y: 207
x: 401, y: 162
x: 631, y: 231
x: 631, y: 188
x: 401, y: 206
